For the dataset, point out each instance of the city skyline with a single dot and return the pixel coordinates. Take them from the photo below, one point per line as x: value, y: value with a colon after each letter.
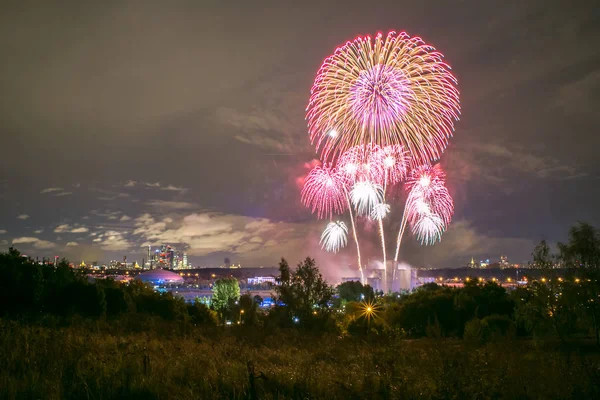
x: 128, y: 137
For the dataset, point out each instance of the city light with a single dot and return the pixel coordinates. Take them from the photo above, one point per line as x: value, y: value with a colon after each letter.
x: 368, y: 310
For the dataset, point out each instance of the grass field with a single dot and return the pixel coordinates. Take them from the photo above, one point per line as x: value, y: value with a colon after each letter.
x: 155, y: 359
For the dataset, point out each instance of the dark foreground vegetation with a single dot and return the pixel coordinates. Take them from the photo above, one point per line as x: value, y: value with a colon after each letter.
x: 62, y: 337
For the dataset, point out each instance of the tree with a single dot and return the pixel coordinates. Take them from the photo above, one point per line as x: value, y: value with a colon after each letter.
x: 355, y: 291
x: 583, y: 248
x: 541, y: 256
x: 248, y: 309
x: 200, y: 314
x: 582, y: 253
x: 304, y: 289
x: 226, y: 292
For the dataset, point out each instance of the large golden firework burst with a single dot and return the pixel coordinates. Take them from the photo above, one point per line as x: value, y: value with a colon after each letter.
x: 393, y: 90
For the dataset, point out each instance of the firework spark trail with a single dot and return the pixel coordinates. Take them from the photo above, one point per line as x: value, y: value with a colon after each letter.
x: 334, y: 236
x: 393, y: 90
x: 360, y: 268
x: 378, y: 213
x: 400, y: 235
x: 381, y: 234
x: 363, y: 167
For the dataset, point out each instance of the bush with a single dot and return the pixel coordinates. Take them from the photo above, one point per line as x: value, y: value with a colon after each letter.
x: 492, y: 328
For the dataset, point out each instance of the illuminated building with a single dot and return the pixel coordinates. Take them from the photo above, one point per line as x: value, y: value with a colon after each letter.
x: 149, y: 259
x: 257, y: 280
x: 159, y: 276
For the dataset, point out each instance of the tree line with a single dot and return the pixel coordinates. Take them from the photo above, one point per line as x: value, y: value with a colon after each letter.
x: 559, y: 307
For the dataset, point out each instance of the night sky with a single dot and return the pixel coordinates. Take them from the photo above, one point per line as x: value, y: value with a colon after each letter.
x: 132, y: 123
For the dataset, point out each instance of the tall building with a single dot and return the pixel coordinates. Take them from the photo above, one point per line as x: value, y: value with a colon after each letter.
x: 185, y: 260
x: 163, y: 257
x: 149, y: 259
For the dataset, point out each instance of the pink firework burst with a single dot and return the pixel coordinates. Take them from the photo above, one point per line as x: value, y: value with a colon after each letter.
x: 324, y: 192
x: 364, y: 163
x: 428, y: 195
x: 394, y: 160
x: 426, y: 178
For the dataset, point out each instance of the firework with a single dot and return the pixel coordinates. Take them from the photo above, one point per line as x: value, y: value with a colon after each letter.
x: 395, y: 163
x: 334, y: 236
x: 380, y: 211
x: 365, y: 195
x: 428, y: 228
x: 393, y: 90
x: 362, y: 163
x: 429, y: 206
x: 427, y: 185
x: 425, y: 177
x: 324, y: 192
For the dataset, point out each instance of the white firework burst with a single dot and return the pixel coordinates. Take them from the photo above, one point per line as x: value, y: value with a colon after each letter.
x: 365, y: 195
x: 429, y: 228
x: 380, y: 211
x: 334, y: 237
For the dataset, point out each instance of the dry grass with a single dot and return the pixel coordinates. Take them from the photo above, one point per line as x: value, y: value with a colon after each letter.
x: 98, y: 361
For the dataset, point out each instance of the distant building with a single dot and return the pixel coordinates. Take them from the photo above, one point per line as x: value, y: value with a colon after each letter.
x: 159, y: 277
x: 406, y: 279
x: 257, y: 280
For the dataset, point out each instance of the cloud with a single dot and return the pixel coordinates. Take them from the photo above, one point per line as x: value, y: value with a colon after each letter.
x: 580, y: 98
x: 463, y: 241
x: 22, y: 216
x: 124, y: 218
x: 35, y: 242
x: 52, y: 189
x: 108, y: 214
x: 66, y: 228
x: 495, y: 163
x: 155, y: 185
x: 113, y: 241
x: 173, y: 188
x: 210, y: 232
x: 56, y: 191
x: 2, y: 231
x: 38, y: 231
x: 62, y: 228
x: 72, y: 244
x: 171, y: 205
